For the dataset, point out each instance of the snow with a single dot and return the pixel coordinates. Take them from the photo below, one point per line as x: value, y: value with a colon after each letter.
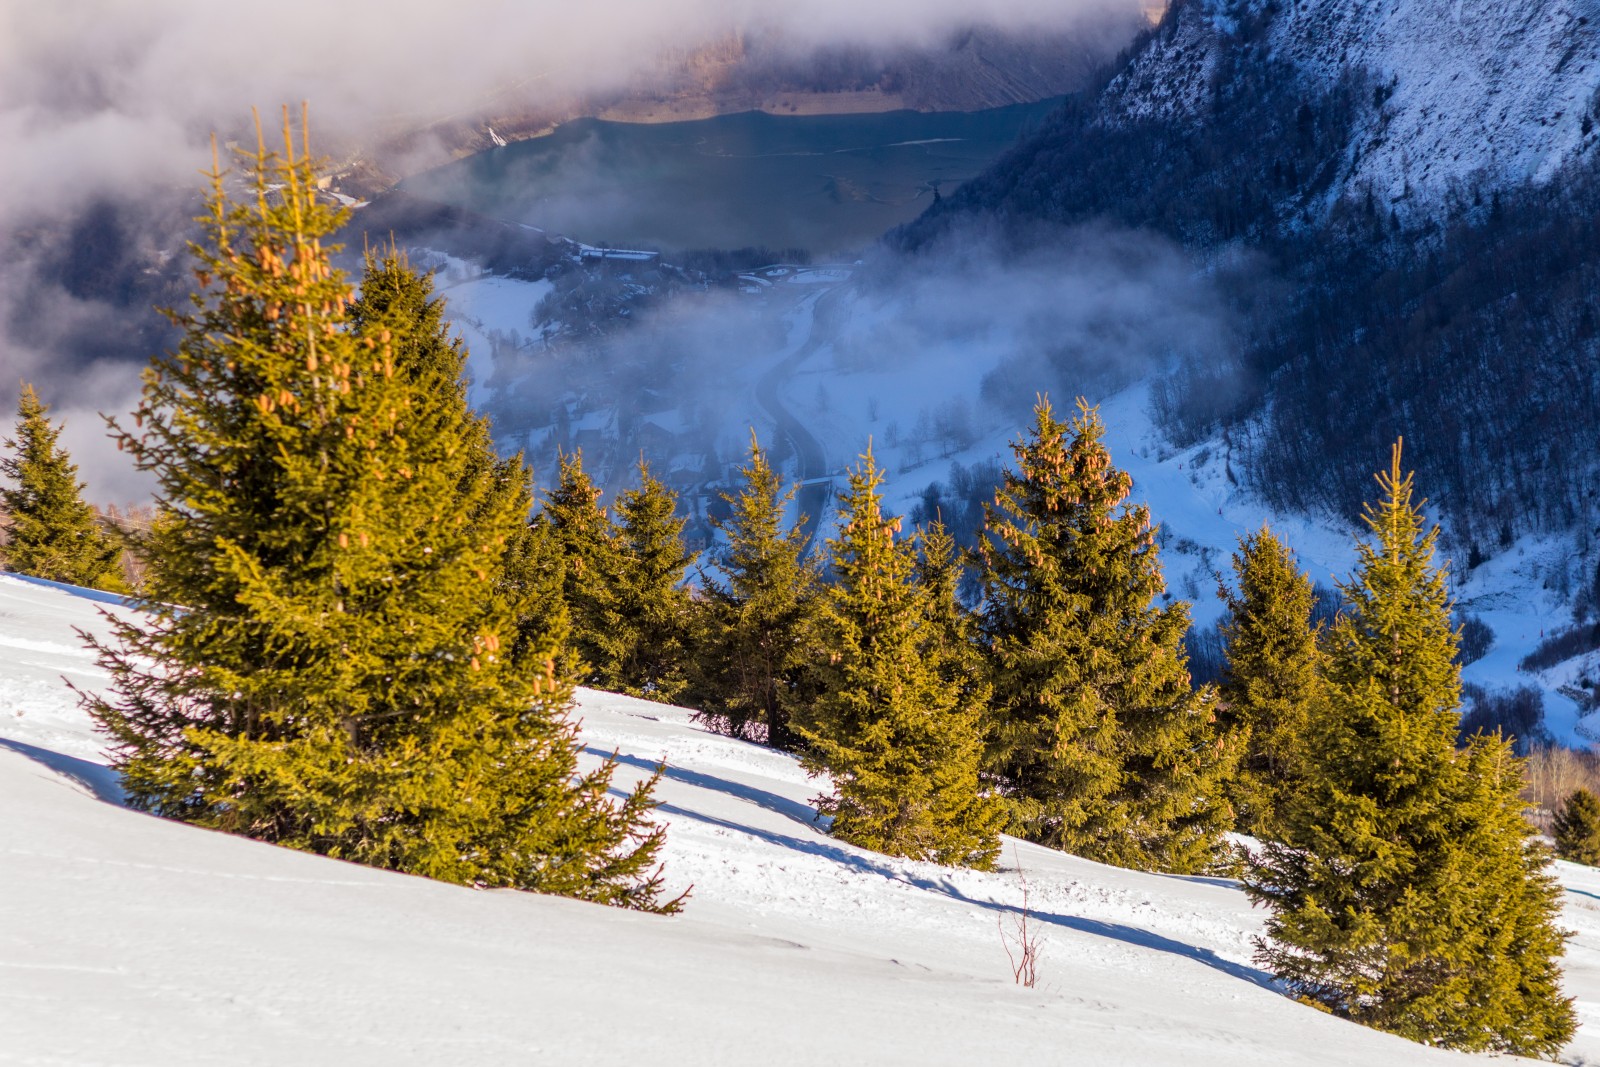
x: 128, y: 939
x: 1484, y: 95
x: 490, y: 312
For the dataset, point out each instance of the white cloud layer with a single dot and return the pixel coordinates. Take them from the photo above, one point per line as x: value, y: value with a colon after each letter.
x: 115, y: 101
x: 102, y: 94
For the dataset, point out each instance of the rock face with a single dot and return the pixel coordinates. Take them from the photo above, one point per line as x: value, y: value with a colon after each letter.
x: 1464, y: 94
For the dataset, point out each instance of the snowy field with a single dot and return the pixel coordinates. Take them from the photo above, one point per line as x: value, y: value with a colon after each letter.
x: 126, y: 939
x: 492, y: 315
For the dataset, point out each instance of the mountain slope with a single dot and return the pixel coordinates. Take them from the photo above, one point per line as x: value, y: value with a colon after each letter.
x: 1406, y: 195
x: 1464, y: 95
x: 134, y: 940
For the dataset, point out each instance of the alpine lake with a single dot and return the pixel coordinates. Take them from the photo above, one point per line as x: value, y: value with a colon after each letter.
x: 827, y: 184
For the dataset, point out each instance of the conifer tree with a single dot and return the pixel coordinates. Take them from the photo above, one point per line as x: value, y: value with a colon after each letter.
x: 1272, y: 681
x: 900, y: 735
x: 642, y: 642
x: 586, y: 536
x: 939, y: 572
x: 752, y: 649
x: 1101, y: 744
x: 346, y: 674
x: 54, y: 535
x: 1406, y: 890
x: 1577, y: 828
x: 395, y: 297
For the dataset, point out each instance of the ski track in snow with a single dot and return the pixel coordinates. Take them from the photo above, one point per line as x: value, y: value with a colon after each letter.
x: 128, y: 939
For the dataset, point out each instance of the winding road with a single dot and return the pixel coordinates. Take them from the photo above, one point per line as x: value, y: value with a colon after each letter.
x: 816, y: 485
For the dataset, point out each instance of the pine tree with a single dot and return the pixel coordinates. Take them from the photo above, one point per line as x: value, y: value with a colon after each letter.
x: 752, y: 650
x: 54, y: 535
x: 347, y: 674
x: 1577, y: 828
x: 396, y: 298
x: 899, y: 734
x: 939, y: 572
x: 1272, y: 682
x: 1102, y: 746
x: 586, y: 536
x: 1407, y: 892
x: 642, y: 642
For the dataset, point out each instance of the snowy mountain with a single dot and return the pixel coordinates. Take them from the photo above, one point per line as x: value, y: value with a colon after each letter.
x: 133, y: 940
x: 1464, y: 95
x: 1402, y: 200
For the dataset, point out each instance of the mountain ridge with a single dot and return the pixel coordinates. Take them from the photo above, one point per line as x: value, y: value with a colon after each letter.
x: 1485, y: 97
x: 1392, y: 288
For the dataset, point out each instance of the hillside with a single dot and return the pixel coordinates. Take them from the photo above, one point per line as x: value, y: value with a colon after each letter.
x: 1404, y: 196
x: 136, y: 940
x: 1466, y: 97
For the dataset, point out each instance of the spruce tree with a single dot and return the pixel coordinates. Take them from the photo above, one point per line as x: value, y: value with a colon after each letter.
x: 642, y: 642
x: 582, y: 528
x: 346, y: 673
x: 752, y: 656
x: 53, y: 534
x: 1577, y: 828
x: 1272, y: 681
x: 939, y: 572
x: 899, y: 733
x: 1406, y: 889
x: 396, y: 298
x: 1102, y: 746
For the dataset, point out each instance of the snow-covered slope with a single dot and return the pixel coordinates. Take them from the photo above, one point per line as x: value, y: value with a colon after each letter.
x: 1465, y: 94
x: 126, y: 939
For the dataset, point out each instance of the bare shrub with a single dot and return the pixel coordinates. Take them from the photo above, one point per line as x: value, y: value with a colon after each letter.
x: 130, y: 524
x: 1208, y: 654
x: 1023, y: 942
x: 1477, y: 637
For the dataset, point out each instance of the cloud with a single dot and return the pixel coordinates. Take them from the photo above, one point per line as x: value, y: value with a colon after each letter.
x: 102, y: 96
x: 925, y: 353
x: 107, y: 108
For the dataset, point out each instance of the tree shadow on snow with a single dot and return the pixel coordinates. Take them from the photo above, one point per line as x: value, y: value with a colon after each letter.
x: 793, y: 809
x: 99, y: 780
x: 855, y: 859
x: 1133, y: 935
